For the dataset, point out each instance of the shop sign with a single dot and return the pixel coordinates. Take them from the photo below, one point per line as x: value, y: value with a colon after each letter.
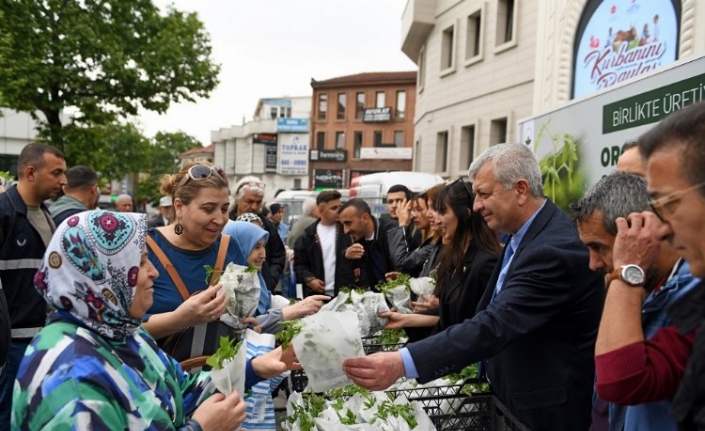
x: 295, y: 125
x: 328, y: 179
x: 377, y: 115
x: 329, y: 155
x: 403, y: 153
x: 293, y: 155
x: 264, y: 138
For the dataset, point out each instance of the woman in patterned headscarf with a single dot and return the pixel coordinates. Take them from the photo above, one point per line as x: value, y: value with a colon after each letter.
x: 92, y: 366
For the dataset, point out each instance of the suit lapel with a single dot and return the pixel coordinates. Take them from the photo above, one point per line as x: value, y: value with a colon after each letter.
x: 542, y: 218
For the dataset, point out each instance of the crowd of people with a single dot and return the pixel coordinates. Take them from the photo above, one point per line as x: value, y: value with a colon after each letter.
x: 580, y: 320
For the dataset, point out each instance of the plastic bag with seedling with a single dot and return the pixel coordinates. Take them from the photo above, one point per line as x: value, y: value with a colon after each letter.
x: 241, y: 285
x: 398, y: 293
x: 422, y: 286
x: 324, y: 340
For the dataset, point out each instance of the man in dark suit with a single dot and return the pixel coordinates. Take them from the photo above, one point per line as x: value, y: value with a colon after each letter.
x: 537, y: 321
x: 166, y: 213
x: 366, y: 257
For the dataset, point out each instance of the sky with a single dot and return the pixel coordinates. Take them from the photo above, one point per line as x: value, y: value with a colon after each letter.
x: 273, y: 48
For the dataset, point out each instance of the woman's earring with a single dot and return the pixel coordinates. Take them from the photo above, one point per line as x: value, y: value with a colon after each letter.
x: 178, y: 228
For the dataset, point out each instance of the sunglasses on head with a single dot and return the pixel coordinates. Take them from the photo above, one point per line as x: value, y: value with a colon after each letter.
x: 256, y: 184
x: 202, y: 172
x: 465, y: 184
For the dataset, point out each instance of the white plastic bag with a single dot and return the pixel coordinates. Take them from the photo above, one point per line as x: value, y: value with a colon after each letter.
x: 232, y: 376
x: 242, y: 288
x: 422, y: 286
x: 400, y: 297
x: 325, y: 341
x: 368, y: 306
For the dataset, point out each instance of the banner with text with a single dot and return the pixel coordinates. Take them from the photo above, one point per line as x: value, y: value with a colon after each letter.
x: 624, y: 39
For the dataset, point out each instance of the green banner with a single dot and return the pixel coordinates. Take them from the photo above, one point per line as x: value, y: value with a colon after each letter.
x: 651, y: 106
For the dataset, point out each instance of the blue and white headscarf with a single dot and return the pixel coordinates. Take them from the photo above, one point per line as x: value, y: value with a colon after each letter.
x: 90, y: 269
x: 246, y: 236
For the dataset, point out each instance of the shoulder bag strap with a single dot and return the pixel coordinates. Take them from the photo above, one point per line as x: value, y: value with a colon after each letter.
x: 220, y: 260
x: 166, y: 263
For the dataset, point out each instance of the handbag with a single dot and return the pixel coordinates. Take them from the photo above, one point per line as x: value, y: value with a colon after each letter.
x: 193, y: 345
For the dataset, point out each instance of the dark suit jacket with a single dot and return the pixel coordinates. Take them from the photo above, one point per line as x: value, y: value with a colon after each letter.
x: 156, y: 221
x: 537, y: 336
x: 460, y: 300
x: 359, y: 273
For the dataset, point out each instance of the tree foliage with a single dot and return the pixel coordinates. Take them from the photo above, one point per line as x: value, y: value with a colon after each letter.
x: 163, y: 158
x: 100, y: 60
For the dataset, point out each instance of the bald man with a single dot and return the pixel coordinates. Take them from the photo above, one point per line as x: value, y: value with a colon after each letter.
x: 631, y: 161
x: 123, y: 203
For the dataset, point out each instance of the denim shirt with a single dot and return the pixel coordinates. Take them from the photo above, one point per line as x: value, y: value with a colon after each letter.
x: 655, y: 416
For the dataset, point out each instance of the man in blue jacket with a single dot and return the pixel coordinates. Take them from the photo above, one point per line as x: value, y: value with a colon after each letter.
x: 536, y: 323
x: 26, y: 228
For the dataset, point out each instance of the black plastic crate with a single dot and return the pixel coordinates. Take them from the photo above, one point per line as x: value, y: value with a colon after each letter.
x: 298, y: 380
x: 374, y: 344
x: 422, y: 394
x: 479, y: 412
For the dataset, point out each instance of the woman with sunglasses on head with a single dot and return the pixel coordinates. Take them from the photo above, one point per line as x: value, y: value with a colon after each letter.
x: 93, y: 366
x: 187, y: 297
x: 407, y: 260
x: 191, y: 243
x: 466, y: 261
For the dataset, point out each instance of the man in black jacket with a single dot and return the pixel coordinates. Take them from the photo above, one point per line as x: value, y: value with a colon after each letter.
x: 366, y: 261
x: 26, y: 228
x: 319, y: 247
x: 248, y: 194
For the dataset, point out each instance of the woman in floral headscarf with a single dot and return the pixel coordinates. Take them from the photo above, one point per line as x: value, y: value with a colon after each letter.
x: 93, y: 366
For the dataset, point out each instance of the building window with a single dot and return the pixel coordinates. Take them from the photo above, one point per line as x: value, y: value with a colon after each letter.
x: 285, y: 112
x: 273, y: 113
x: 442, y: 152
x: 498, y: 131
x: 473, y: 37
x: 381, y: 101
x: 506, y: 20
x: 398, y: 138
x: 342, y: 98
x: 448, y: 48
x: 321, y: 141
x: 378, y: 138
x: 322, y: 106
x: 360, y: 106
x: 467, y: 147
x: 339, y: 140
x: 357, y: 136
x: 401, y: 105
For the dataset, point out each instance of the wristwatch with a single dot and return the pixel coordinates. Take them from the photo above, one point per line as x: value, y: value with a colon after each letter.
x: 631, y: 274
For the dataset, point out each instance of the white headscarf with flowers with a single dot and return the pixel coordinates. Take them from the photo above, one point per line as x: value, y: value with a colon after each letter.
x: 90, y: 269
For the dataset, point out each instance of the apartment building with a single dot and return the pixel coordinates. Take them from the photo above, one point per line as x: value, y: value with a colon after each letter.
x: 361, y: 124
x: 273, y: 146
x: 485, y: 64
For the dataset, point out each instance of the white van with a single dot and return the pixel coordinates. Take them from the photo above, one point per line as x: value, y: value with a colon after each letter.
x: 373, y: 187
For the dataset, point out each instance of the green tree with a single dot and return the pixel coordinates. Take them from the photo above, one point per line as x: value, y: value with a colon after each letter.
x: 163, y: 157
x: 114, y: 150
x: 100, y: 60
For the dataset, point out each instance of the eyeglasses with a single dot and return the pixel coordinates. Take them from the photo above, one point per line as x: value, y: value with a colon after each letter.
x: 659, y: 205
x: 465, y: 184
x: 202, y: 172
x: 256, y: 184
